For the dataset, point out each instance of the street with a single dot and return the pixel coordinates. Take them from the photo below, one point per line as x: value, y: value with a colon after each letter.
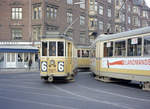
x: 28, y: 91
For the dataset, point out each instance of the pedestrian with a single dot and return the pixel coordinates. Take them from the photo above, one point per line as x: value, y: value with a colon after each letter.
x: 30, y: 63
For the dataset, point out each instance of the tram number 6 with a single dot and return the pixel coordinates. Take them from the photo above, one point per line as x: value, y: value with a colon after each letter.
x: 60, y: 66
x: 44, y: 66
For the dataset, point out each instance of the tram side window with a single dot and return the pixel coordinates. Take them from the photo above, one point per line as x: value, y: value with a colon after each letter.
x: 60, y: 49
x: 78, y: 53
x: 87, y: 53
x: 108, y: 49
x: 44, y: 48
x: 147, y: 46
x: 52, y: 48
x: 120, y: 49
x: 134, y: 47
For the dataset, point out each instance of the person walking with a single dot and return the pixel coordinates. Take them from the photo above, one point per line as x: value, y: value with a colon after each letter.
x: 30, y: 63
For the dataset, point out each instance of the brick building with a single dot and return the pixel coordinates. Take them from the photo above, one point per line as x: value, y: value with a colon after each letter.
x: 131, y: 14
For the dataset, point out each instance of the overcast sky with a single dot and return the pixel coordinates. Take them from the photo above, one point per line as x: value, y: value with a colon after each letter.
x: 147, y: 2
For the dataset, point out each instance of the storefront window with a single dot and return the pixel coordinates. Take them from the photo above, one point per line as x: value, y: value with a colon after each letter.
x: 52, y: 48
x: 120, y: 49
x: 44, y: 48
x: 108, y: 49
x: 20, y: 57
x: 60, y: 49
x: 134, y: 46
x: 26, y: 57
x: 147, y: 46
x: 1, y: 57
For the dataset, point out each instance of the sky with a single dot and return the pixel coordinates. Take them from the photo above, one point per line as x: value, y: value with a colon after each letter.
x: 148, y: 3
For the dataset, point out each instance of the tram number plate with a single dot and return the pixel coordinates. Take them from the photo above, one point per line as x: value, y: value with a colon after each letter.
x: 60, y: 66
x: 44, y: 66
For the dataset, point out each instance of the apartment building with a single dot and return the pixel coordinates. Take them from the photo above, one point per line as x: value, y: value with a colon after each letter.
x: 131, y: 14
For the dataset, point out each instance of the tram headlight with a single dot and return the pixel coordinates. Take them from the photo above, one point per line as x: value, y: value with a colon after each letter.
x: 52, y: 62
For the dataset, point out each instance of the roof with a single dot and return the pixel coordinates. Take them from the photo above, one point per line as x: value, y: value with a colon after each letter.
x: 124, y: 34
x: 19, y: 49
x: 56, y: 35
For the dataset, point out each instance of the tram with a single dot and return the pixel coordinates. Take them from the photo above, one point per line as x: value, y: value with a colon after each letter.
x: 82, y: 54
x: 124, y: 56
x: 56, y: 57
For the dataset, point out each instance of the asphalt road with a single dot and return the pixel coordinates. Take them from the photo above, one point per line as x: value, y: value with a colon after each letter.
x: 27, y: 91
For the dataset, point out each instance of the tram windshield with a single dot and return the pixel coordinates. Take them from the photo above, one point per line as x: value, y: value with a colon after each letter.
x: 53, y: 48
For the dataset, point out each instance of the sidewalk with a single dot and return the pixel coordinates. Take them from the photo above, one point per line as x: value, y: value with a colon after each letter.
x: 7, y: 71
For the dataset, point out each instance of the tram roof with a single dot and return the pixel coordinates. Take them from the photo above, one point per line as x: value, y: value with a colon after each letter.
x: 56, y: 35
x: 83, y: 46
x: 124, y: 34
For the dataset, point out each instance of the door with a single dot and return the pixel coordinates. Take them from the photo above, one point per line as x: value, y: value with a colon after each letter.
x: 11, y: 60
x: 69, y: 54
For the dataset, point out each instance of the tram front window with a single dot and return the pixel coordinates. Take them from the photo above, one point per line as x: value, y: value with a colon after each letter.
x: 52, y: 48
x: 134, y: 47
x: 147, y: 46
x: 60, y: 49
x: 44, y: 48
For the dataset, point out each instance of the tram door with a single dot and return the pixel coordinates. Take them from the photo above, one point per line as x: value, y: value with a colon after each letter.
x: 69, y: 54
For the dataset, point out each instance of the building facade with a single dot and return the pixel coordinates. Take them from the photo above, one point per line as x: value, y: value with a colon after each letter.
x: 131, y: 14
x: 101, y: 17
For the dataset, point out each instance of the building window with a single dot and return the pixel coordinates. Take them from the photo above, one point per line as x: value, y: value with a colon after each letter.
x: 51, y: 12
x: 16, y: 13
x: 109, y: 1
x: 93, y: 22
x: 129, y: 8
x: 135, y: 20
x: 145, y: 14
x: 96, y: 6
x: 82, y: 20
x: 117, y: 2
x: 69, y: 2
x: 129, y: 20
x: 37, y: 12
x: 100, y: 25
x: 16, y: 34
x: 109, y: 12
x: 69, y: 17
x: 36, y: 33
x: 82, y: 5
x: 82, y: 37
x: 70, y: 33
x: 123, y: 17
x: 101, y: 10
x: 134, y: 47
x: 120, y: 48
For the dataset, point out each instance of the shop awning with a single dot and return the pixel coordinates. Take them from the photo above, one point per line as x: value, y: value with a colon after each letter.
x: 24, y: 49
